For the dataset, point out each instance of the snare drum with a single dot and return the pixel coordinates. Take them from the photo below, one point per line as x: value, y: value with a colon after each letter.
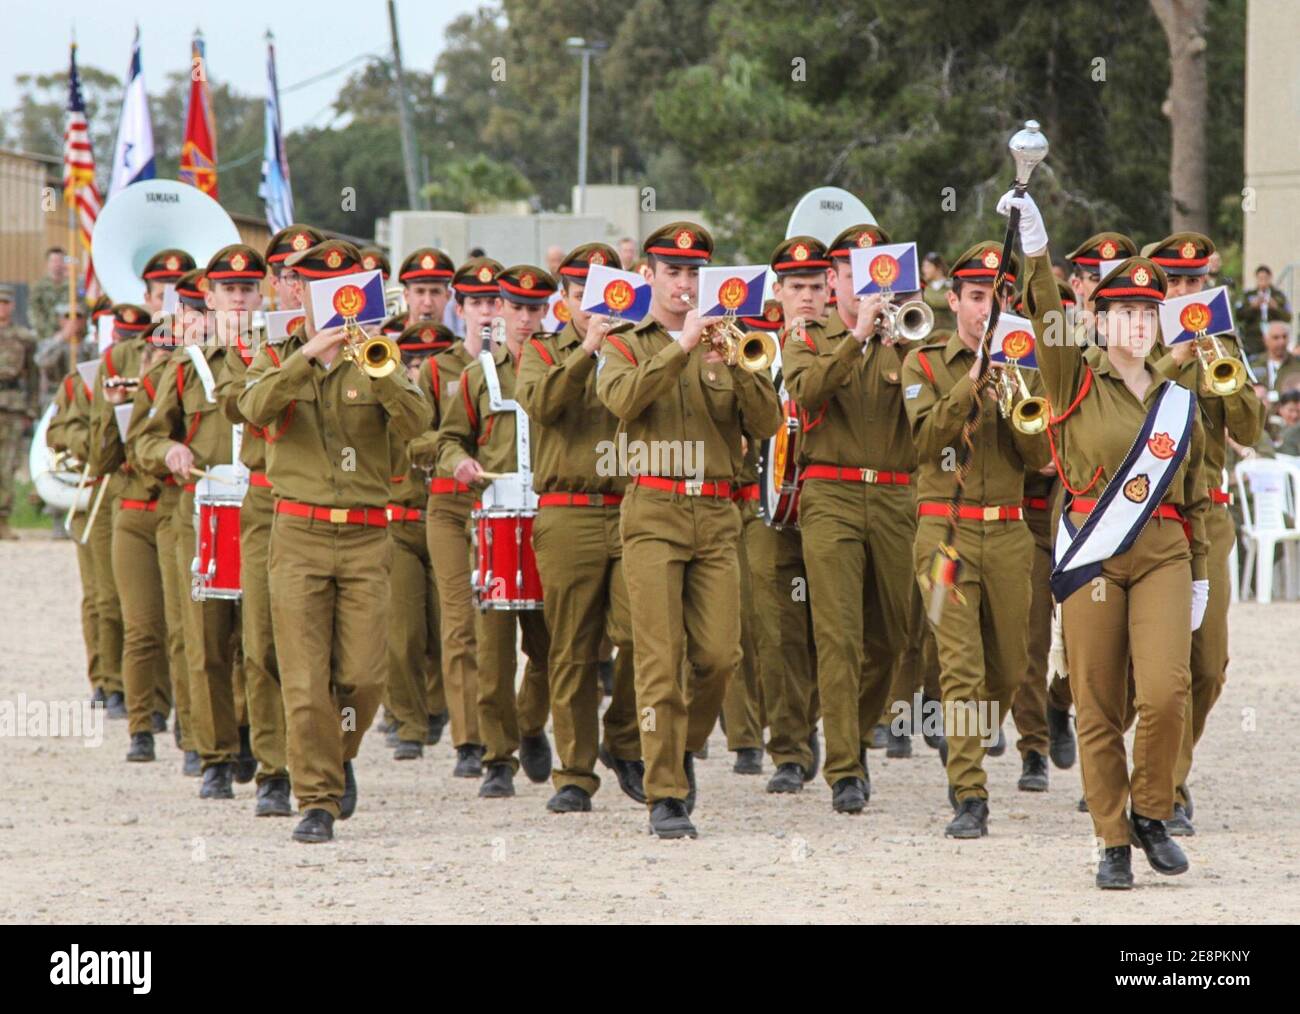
x: 779, y: 471
x: 214, y: 574
x: 505, y: 569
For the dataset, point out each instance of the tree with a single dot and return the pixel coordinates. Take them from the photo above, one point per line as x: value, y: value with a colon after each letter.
x: 1185, y: 106
x: 472, y: 184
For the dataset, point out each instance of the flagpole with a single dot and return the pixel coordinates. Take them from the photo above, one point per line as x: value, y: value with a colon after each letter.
x: 70, y: 201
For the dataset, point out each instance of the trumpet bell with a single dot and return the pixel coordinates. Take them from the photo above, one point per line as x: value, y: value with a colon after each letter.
x: 757, y: 352
x: 913, y: 320
x: 379, y: 356
x: 1030, y: 416
x: 1226, y: 376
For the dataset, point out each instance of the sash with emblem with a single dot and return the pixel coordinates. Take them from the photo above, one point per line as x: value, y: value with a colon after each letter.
x: 1133, y: 495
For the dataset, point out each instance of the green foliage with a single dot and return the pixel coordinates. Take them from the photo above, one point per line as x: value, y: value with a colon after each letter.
x: 469, y: 184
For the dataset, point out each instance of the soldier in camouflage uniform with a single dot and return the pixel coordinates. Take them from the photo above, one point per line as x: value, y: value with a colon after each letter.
x: 19, y: 382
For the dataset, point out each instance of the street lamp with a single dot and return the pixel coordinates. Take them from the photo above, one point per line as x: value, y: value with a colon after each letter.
x: 581, y: 47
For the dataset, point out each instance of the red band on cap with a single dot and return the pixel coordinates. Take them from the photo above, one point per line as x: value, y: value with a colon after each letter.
x: 325, y: 273
x: 221, y: 276
x: 795, y: 265
x: 1182, y: 262
x: 439, y: 273
x: 1132, y: 291
x: 674, y: 251
x: 536, y: 292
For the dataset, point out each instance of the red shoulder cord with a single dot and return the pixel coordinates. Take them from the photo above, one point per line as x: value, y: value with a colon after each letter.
x: 1054, y: 421
x: 541, y: 351
x: 180, y: 394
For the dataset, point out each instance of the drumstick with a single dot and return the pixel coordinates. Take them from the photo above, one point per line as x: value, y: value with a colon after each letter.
x: 81, y: 484
x: 492, y: 475
x: 94, y: 509
x: 205, y: 474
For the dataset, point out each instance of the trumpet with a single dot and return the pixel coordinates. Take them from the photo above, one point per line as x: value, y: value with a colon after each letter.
x: 375, y: 355
x: 751, y: 350
x: 128, y: 384
x: 1224, y: 373
x: 909, y: 321
x: 1027, y: 414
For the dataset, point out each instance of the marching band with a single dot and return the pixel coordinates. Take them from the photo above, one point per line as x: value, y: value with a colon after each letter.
x: 877, y: 518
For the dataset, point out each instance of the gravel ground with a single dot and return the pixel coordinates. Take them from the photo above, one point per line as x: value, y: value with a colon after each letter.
x: 86, y: 837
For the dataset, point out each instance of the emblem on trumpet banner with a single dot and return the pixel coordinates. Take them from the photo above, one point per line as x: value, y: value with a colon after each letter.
x: 282, y: 323
x: 734, y: 291
x: 889, y: 267
x: 358, y: 296
x: 557, y: 312
x: 1013, y: 341
x: 617, y: 293
x: 1196, y: 316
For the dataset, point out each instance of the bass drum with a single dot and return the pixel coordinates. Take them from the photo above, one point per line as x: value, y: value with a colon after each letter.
x: 57, y: 487
x: 779, y: 469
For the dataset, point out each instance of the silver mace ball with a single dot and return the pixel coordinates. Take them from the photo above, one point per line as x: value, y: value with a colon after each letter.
x: 1028, y: 147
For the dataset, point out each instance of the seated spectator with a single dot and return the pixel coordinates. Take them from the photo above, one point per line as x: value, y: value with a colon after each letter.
x: 1276, y: 366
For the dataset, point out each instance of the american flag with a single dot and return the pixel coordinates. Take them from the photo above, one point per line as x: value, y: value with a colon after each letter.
x: 79, y: 188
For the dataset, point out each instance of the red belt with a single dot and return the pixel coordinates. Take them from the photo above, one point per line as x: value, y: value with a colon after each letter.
x: 868, y: 475
x: 191, y: 487
x: 722, y: 490
x: 579, y: 499
x: 376, y: 517
x: 447, y: 486
x: 396, y: 512
x: 169, y: 480
x: 971, y: 512
x: 1084, y: 505
x: 259, y: 479
x: 750, y: 492
x: 1035, y: 503
x: 139, y: 505
x: 1219, y: 496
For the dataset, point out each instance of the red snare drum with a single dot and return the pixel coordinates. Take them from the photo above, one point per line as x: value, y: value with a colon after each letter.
x: 505, y: 569
x: 214, y: 574
x: 779, y: 472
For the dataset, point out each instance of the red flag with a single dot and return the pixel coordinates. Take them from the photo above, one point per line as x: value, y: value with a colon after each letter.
x: 199, y: 151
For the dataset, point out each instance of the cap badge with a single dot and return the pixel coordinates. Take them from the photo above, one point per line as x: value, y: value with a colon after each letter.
x: 128, y: 316
x: 527, y: 281
x: 1107, y: 250
x: 368, y: 262
x: 772, y: 313
x: 684, y: 239
x: 866, y: 239
x: 1141, y: 276
x: 992, y: 259
x: 238, y: 262
x: 485, y: 274
x: 333, y: 259
x: 300, y: 241
x: 1189, y: 250
x: 173, y: 263
x: 800, y: 252
x: 596, y: 257
x: 426, y: 261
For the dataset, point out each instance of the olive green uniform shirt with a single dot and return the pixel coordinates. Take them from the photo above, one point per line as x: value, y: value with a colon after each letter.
x: 182, y: 413
x: 439, y: 382
x: 470, y: 429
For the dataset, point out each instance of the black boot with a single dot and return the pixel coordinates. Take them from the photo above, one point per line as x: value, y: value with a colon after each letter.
x: 998, y: 748
x: 815, y: 745
x: 159, y: 721
x: 392, y: 737
x: 749, y: 761
x: 848, y: 796
x: 1033, y: 773
x: 972, y: 820
x: 99, y: 697
x: 688, y: 762
x: 348, y: 801
x: 570, y: 799
x: 1163, y: 854
x: 1180, y: 825
x: 879, y: 737
x: 387, y: 723
x: 535, y: 757
x: 498, y: 783
x: 1115, y: 871
x: 1082, y: 806
x: 216, y: 782
x: 669, y: 819
x: 436, y: 724
x: 316, y: 826
x: 141, y: 749
x: 788, y: 778
x: 605, y: 670
x: 115, y: 705
x: 191, y: 766
x: 630, y: 774
x: 469, y: 761
x: 897, y: 746
x: 406, y: 750
x: 1060, y: 738
x: 273, y: 799
x: 245, y: 763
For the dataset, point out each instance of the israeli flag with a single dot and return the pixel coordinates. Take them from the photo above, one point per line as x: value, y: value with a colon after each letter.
x: 623, y: 294
x: 737, y: 291
x: 275, y: 191
x: 133, y: 158
x: 1199, y: 315
x: 891, y: 266
x: 1013, y: 339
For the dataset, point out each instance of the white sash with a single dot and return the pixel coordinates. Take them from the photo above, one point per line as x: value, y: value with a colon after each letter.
x: 1131, y: 497
x: 516, y: 490
x: 204, y: 371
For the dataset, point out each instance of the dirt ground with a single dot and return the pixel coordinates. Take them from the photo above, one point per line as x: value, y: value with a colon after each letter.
x: 86, y: 837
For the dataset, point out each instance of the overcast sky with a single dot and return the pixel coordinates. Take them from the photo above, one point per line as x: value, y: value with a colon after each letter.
x: 309, y: 38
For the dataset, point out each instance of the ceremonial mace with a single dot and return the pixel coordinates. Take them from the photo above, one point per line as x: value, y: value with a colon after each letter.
x: 1028, y: 148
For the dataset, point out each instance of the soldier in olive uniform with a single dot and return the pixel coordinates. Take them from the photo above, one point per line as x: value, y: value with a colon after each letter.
x: 981, y: 633
x: 674, y: 394
x: 1185, y: 257
x: 330, y: 466
x: 577, y: 543
x: 474, y: 438
x: 855, y: 513
x: 69, y: 432
x: 450, y: 503
x: 186, y: 429
x: 19, y: 394
x: 414, y: 656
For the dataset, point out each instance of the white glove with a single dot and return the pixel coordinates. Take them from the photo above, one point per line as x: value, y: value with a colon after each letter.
x: 1200, y: 599
x: 1056, y: 653
x: 1033, y: 233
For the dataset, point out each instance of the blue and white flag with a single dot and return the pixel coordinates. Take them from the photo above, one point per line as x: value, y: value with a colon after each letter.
x: 133, y: 159
x: 737, y: 291
x: 358, y: 296
x: 1013, y: 340
x: 623, y: 294
x: 275, y: 190
x: 889, y: 267
x: 1196, y: 316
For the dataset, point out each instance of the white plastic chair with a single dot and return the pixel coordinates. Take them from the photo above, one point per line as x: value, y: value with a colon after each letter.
x: 1268, y: 491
